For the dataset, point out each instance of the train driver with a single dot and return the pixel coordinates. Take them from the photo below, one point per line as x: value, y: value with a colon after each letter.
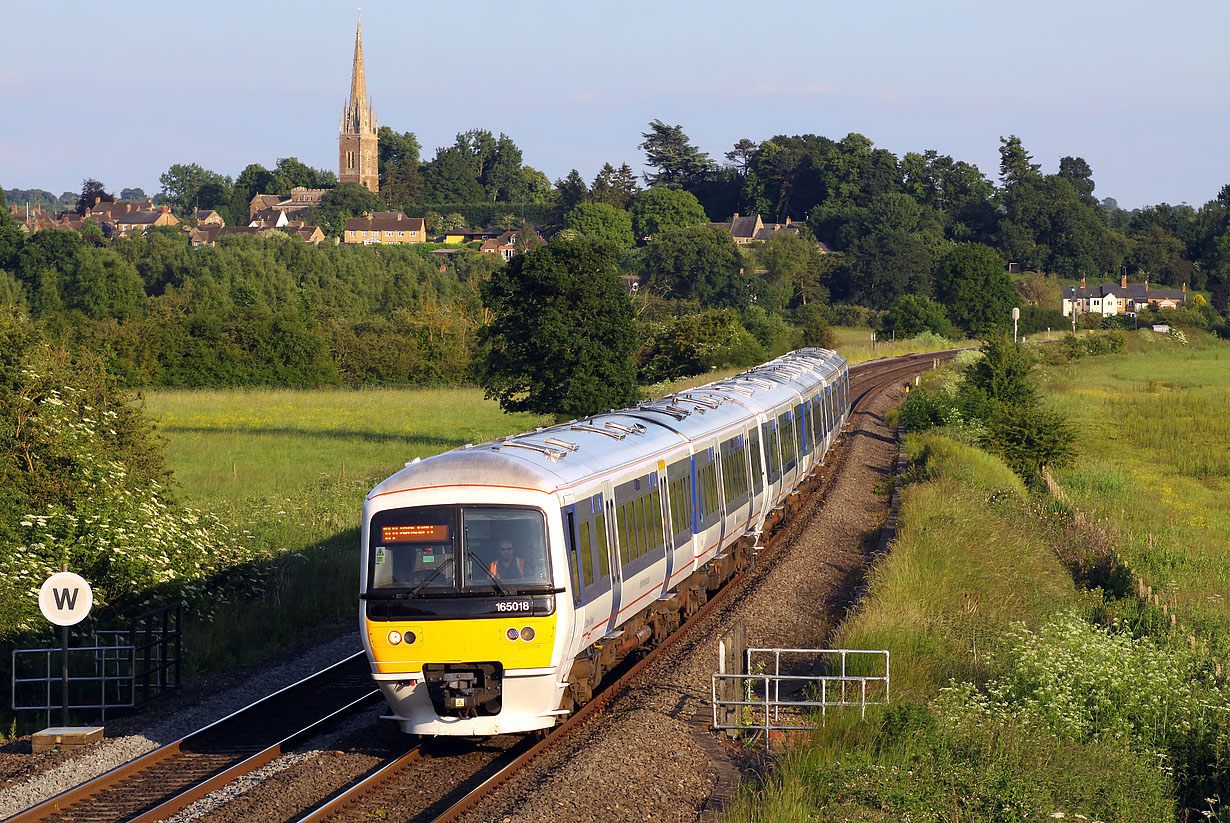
x: 509, y: 565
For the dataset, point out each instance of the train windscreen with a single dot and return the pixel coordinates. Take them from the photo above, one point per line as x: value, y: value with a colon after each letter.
x: 440, y: 550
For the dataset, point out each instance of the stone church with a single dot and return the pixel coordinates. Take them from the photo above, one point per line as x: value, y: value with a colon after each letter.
x: 357, y: 149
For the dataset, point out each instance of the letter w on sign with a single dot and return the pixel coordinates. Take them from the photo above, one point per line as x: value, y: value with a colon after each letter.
x: 64, y: 599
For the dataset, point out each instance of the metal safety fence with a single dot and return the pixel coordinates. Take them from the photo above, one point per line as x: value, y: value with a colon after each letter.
x: 119, y: 669
x: 794, y: 689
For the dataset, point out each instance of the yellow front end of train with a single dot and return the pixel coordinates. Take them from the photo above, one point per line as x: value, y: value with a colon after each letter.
x: 461, y: 615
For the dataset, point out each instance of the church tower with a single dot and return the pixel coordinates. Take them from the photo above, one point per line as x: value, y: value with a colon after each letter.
x: 358, y: 157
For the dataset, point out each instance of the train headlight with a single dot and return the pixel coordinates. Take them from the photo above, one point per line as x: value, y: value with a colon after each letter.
x: 394, y: 638
x: 527, y: 633
x: 511, y: 634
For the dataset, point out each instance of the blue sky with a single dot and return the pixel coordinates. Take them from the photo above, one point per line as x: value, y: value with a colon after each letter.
x: 1135, y: 88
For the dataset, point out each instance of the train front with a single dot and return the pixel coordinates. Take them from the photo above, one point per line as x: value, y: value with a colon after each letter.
x: 459, y: 608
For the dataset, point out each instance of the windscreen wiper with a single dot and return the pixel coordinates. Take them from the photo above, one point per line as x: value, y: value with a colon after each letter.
x: 494, y: 582
x: 433, y: 576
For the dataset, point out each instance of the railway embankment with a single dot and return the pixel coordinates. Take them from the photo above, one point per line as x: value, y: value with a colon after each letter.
x: 1054, y: 656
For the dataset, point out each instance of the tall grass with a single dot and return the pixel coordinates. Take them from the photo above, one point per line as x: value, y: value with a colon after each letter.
x: 973, y: 566
x: 1154, y: 429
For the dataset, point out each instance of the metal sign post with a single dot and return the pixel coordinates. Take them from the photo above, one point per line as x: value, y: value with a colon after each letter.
x: 1016, y: 315
x: 65, y: 599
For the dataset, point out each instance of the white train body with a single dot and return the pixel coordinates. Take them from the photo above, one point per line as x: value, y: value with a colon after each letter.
x: 618, y: 525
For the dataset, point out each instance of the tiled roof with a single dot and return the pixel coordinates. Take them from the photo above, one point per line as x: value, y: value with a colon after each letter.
x: 385, y: 221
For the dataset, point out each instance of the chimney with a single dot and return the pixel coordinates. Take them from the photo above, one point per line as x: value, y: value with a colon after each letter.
x: 1082, y: 282
x: 1185, y: 288
x: 97, y: 200
x: 400, y: 215
x: 1123, y: 281
x: 166, y: 209
x: 1146, y: 285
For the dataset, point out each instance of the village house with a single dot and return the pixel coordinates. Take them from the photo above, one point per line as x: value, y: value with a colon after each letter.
x: 139, y: 221
x: 505, y: 244
x: 297, y: 205
x: 208, y: 217
x: 384, y: 228
x: 746, y: 229
x: 1109, y: 299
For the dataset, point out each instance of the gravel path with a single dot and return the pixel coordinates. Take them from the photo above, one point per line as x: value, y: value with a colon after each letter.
x: 649, y: 757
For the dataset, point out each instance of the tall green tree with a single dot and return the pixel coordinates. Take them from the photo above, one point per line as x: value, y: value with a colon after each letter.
x: 601, y: 222
x: 92, y: 191
x: 973, y: 284
x: 1014, y: 162
x: 678, y: 162
x: 400, y: 178
x: 562, y: 335
x: 182, y: 185
x: 568, y: 194
x: 657, y: 211
x: 700, y: 263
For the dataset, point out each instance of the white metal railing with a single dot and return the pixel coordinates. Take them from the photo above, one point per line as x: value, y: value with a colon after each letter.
x: 763, y: 698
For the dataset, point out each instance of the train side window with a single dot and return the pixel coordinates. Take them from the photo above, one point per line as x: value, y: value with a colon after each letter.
x: 786, y: 433
x: 602, y: 560
x: 585, y: 549
x: 621, y: 532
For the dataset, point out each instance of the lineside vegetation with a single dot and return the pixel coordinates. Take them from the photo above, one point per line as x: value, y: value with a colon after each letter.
x: 1037, y: 673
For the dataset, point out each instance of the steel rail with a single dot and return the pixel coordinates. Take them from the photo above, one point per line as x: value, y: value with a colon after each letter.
x: 203, y: 743
x: 365, y: 785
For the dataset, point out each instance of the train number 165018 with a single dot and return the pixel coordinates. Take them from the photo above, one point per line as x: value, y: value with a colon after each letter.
x: 514, y: 606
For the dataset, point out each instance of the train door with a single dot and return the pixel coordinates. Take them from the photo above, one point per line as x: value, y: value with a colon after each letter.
x: 682, y: 518
x: 589, y: 566
x: 612, y: 547
x: 664, y: 495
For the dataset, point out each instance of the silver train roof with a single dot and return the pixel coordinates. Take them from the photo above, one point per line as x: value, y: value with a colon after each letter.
x: 563, y: 455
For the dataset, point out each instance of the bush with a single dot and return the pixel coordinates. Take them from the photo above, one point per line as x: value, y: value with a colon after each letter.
x: 695, y: 344
x: 1029, y: 437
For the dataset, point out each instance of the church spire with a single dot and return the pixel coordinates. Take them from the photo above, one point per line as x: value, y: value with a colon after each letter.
x: 358, y: 84
x: 357, y: 129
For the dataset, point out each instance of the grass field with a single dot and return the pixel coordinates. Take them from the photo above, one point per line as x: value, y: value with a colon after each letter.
x: 1155, y: 438
x: 244, y: 444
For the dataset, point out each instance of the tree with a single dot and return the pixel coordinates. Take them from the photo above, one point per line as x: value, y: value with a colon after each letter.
x: 569, y: 193
x: 451, y: 177
x: 695, y: 344
x: 742, y: 153
x: 678, y: 162
x: 1077, y: 172
x: 973, y: 284
x: 400, y: 179
x: 132, y: 194
x: 291, y: 173
x: 660, y: 210
x: 562, y: 333
x: 182, y: 185
x: 92, y: 192
x: 1002, y: 373
x: 914, y: 314
x: 1014, y: 165
x: 601, y: 222
x: 699, y: 263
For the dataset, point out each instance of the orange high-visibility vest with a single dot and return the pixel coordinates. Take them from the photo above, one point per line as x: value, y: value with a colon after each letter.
x: 520, y: 566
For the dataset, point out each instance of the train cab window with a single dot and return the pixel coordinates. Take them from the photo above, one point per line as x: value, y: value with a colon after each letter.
x: 413, y: 548
x: 505, y: 547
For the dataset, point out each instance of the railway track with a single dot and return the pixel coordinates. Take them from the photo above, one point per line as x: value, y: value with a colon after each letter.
x: 169, y: 778
x: 360, y: 800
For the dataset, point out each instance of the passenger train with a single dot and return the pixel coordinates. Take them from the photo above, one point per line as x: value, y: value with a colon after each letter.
x: 500, y: 582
